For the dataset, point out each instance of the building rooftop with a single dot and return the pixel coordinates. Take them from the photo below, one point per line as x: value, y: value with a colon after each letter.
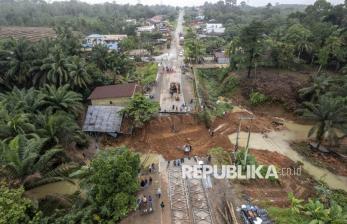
x: 103, y: 119
x: 114, y: 91
x: 220, y: 55
x: 139, y: 52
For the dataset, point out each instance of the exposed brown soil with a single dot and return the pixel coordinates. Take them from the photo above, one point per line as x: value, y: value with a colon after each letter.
x: 158, y: 137
x: 331, y: 161
x: 276, y: 193
x: 30, y: 33
x: 280, y: 86
x: 166, y: 135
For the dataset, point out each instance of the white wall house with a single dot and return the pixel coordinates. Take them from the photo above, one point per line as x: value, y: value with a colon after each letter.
x: 110, y: 41
x: 145, y: 28
x: 214, y: 28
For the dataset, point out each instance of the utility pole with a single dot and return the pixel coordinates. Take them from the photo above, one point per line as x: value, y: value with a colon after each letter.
x: 247, y: 146
x: 248, y: 138
x: 237, y: 136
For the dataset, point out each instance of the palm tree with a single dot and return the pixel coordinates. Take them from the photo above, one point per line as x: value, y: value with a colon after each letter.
x: 24, y: 161
x: 55, y: 68
x: 99, y: 56
x: 79, y: 76
x: 61, y: 99
x: 298, y: 35
x: 320, y: 86
x: 59, y: 129
x: 20, y: 100
x: 13, y: 124
x: 126, y: 78
x: 119, y: 64
x: 17, y: 61
x: 330, y: 115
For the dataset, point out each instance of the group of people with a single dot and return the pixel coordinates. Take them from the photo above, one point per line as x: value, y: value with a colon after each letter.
x: 144, y: 182
x: 151, y: 168
x: 182, y: 108
x: 176, y: 162
x: 146, y: 203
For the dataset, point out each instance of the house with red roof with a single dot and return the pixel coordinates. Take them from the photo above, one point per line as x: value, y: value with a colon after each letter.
x: 116, y: 95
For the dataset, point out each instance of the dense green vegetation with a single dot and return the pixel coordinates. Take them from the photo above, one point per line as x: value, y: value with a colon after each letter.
x: 14, y: 208
x: 324, y: 209
x: 314, y: 37
x: 140, y: 110
x: 310, y: 38
x: 210, y: 90
x: 83, y: 17
x: 147, y: 74
x: 43, y: 91
x: 106, y: 202
x: 109, y: 201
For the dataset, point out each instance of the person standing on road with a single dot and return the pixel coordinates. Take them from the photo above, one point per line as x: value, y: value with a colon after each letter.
x: 162, y: 205
x: 159, y: 192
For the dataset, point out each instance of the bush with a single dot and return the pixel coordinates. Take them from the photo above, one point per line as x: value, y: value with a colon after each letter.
x: 14, y: 208
x: 240, y: 157
x: 110, y: 185
x: 205, y: 117
x: 257, y: 98
x: 222, y: 107
x: 221, y: 156
x: 140, y: 110
x: 229, y: 84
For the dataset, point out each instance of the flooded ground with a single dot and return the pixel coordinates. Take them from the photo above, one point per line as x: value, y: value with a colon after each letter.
x: 62, y: 187
x: 68, y: 188
x: 279, y: 141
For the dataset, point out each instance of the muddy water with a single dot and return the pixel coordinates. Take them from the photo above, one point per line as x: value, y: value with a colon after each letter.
x: 279, y: 141
x: 67, y: 188
x: 62, y: 187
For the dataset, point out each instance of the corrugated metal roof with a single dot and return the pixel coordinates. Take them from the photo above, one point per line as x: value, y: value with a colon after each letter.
x: 104, y: 119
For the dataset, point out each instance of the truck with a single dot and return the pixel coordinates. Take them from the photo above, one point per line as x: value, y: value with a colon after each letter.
x: 175, y: 90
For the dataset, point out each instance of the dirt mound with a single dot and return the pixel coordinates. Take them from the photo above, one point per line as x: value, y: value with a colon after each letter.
x: 280, y: 86
x: 167, y: 134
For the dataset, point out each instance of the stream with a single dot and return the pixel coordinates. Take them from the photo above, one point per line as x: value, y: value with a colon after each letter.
x: 279, y: 141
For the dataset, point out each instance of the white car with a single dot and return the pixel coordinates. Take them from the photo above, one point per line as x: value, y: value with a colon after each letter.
x: 180, y: 54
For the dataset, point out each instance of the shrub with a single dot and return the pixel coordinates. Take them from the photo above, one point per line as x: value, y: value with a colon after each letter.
x: 257, y: 98
x: 14, y: 208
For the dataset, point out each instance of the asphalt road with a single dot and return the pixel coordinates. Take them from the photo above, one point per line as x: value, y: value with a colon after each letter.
x: 173, y: 61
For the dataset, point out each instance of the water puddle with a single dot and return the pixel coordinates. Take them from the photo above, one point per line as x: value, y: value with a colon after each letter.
x: 279, y: 141
x: 62, y: 188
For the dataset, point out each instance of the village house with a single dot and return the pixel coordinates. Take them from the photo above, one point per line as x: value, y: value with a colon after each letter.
x: 110, y: 41
x: 101, y: 119
x: 143, y: 29
x: 221, y: 58
x: 139, y: 53
x: 117, y: 95
x: 214, y: 28
x: 131, y: 21
x: 156, y: 20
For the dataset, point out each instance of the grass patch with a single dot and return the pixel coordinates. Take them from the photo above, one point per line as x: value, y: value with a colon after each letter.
x: 214, y: 83
x: 147, y: 73
x: 286, y: 216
